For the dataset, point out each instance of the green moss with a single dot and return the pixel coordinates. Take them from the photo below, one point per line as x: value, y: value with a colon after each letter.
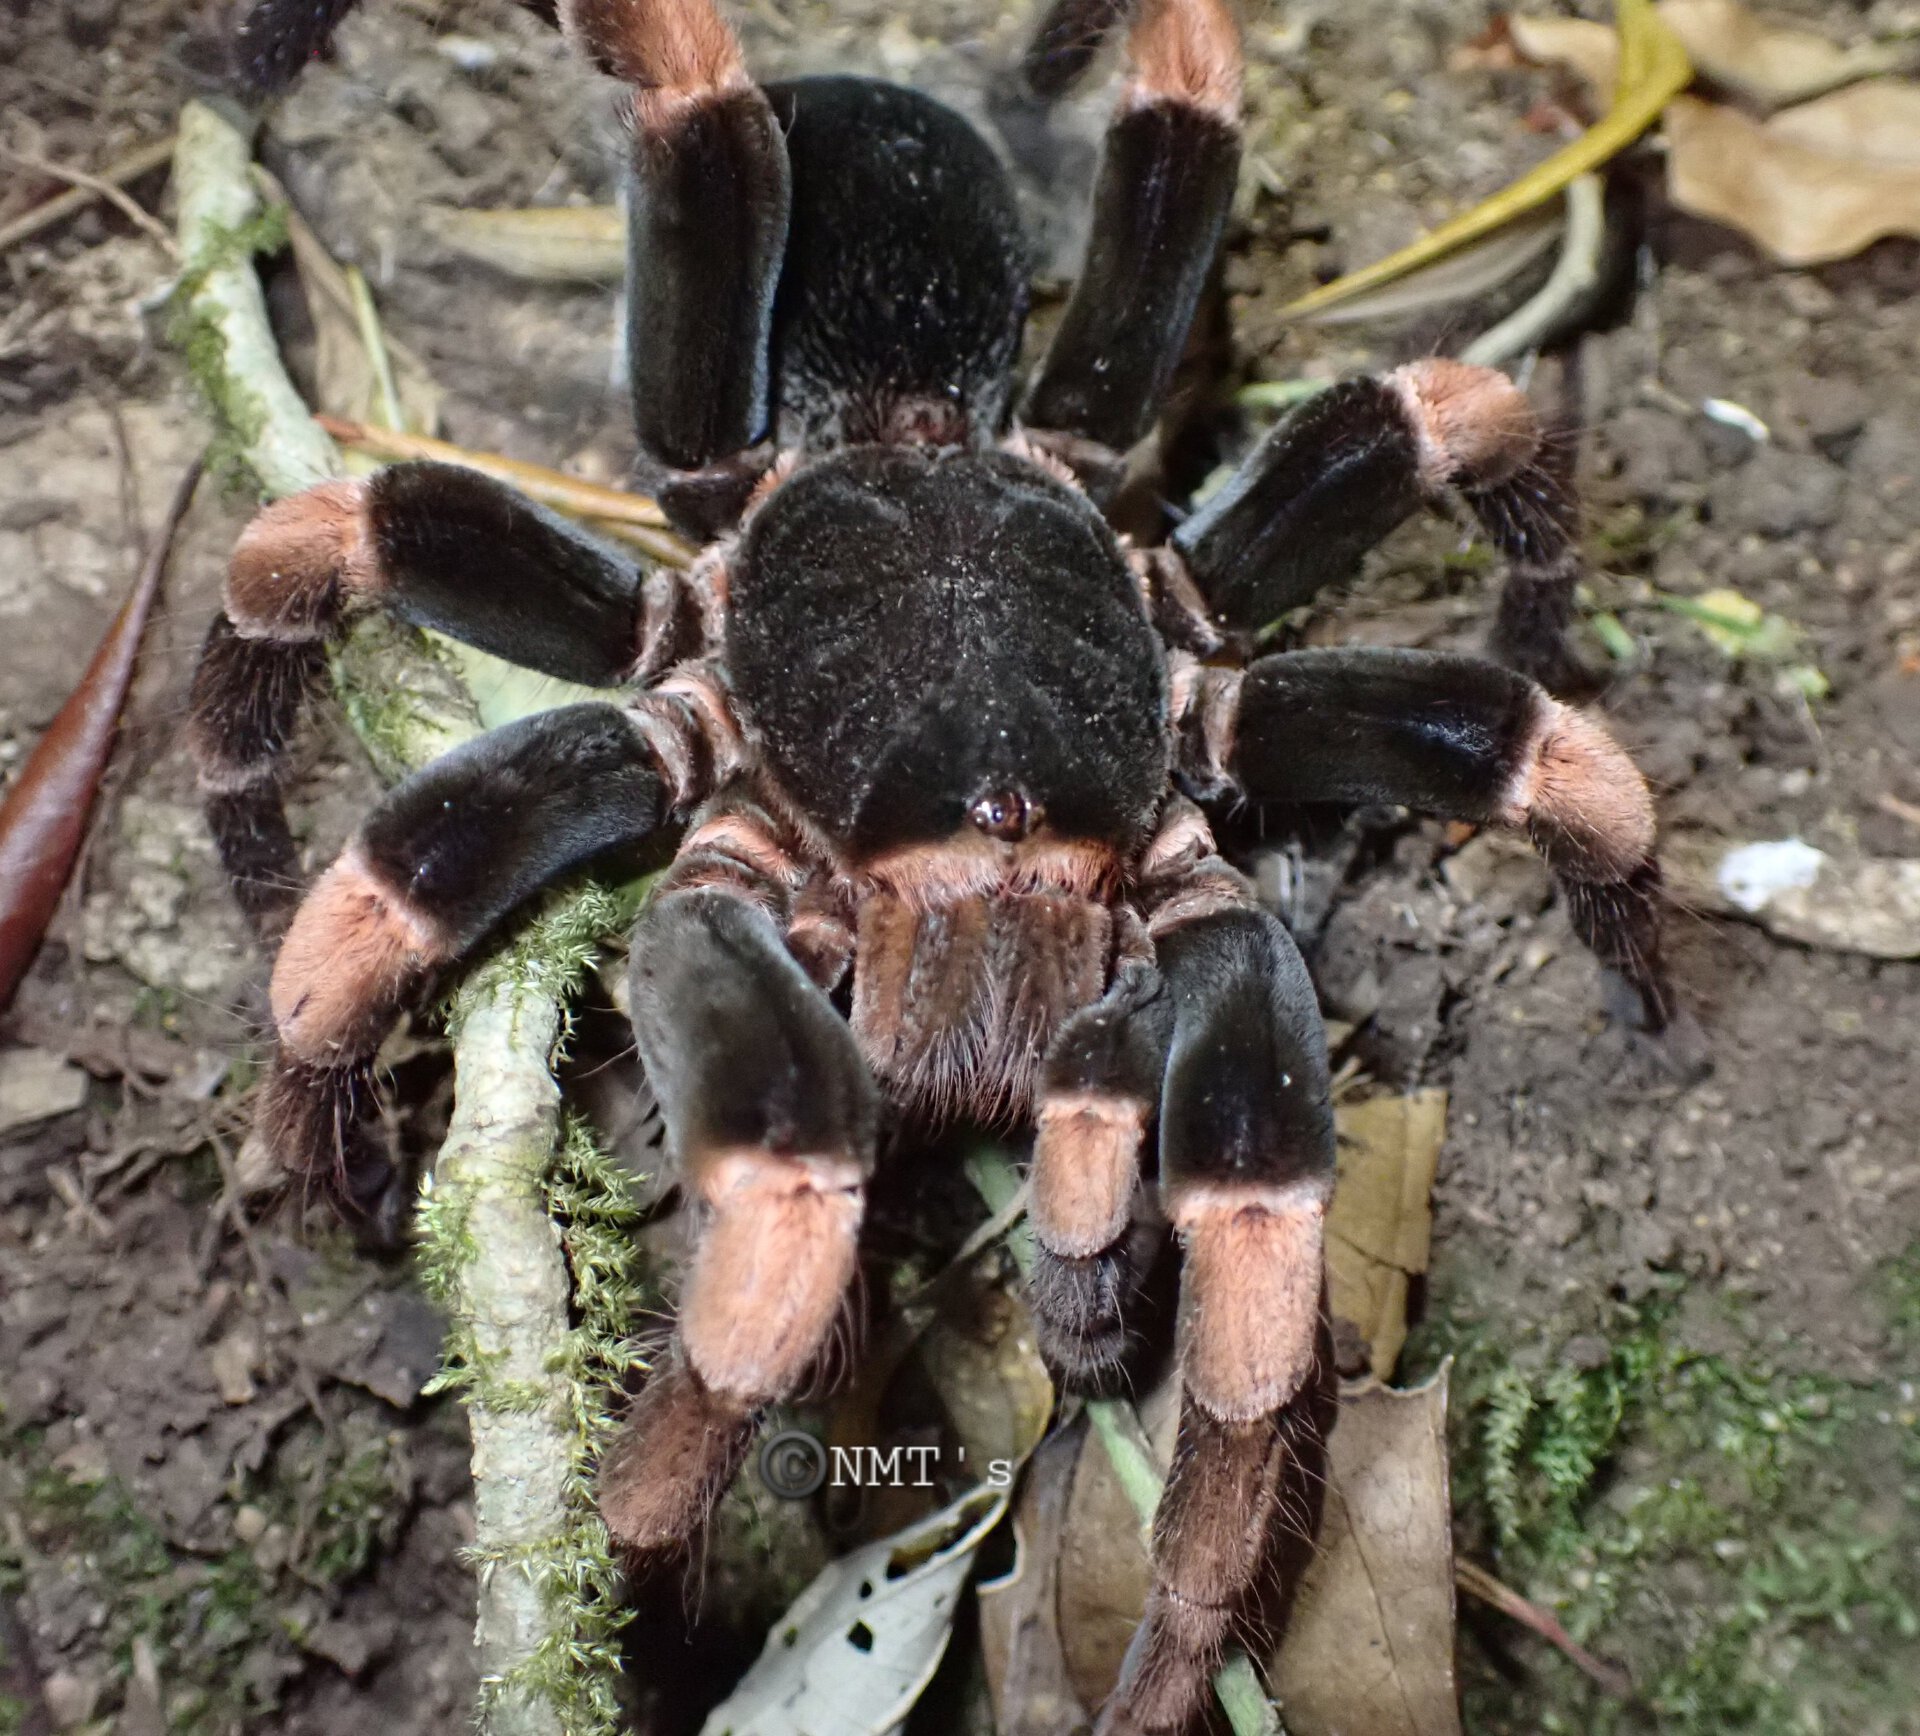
x: 1746, y: 1538
x: 237, y: 415
x: 204, y: 1618
x: 577, y: 1666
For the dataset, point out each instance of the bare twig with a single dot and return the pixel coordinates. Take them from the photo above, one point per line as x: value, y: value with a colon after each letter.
x: 83, y: 190
x: 1574, y: 274
x: 1477, y: 1582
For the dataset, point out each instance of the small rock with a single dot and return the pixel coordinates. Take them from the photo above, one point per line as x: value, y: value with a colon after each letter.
x: 71, y: 1698
x: 1778, y: 494
x: 1885, y: 461
x: 1587, y: 1352
x: 36, y: 1085
x: 249, y: 1525
x: 1831, y: 411
x: 232, y: 1360
x: 352, y: 1645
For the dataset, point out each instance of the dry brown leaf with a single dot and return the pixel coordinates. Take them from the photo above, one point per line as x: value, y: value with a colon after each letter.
x: 545, y: 244
x: 1768, y: 62
x: 1020, y: 1643
x: 1590, y: 51
x: 1804, y: 206
x: 983, y: 1360
x: 1379, y: 1227
x: 1103, y: 1555
x: 1876, y: 124
x: 1369, y: 1651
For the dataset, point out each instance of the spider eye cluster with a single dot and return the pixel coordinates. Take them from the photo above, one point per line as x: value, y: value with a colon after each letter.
x: 1006, y: 815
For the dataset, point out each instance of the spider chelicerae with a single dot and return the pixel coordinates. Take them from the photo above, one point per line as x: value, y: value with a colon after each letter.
x: 941, y: 744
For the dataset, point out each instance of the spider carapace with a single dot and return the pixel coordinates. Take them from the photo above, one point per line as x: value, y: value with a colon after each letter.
x: 941, y: 743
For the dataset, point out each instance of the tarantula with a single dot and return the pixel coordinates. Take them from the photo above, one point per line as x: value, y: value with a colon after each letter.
x: 941, y: 744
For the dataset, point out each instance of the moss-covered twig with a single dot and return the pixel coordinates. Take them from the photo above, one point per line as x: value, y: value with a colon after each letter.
x: 538, y: 1389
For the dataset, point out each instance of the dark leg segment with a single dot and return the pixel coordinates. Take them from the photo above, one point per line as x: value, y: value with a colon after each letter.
x: 438, y: 546
x: 707, y: 227
x: 771, y: 1118
x: 1166, y: 180
x: 1071, y: 33
x: 1457, y: 737
x: 1246, y: 1161
x: 1354, y: 461
x: 446, y: 855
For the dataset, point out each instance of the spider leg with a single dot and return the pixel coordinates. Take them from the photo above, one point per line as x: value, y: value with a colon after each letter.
x: 436, y: 545
x: 771, y: 1118
x: 1453, y: 736
x: 1246, y: 1167
x: 1098, y: 1092
x: 445, y: 856
x: 707, y: 225
x: 1070, y: 34
x: 1354, y: 461
x: 1166, y: 179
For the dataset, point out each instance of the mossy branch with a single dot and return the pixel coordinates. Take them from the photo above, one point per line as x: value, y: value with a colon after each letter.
x: 522, y: 1230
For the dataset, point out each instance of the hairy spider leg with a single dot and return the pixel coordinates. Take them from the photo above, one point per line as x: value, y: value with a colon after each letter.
x: 771, y: 1117
x: 444, y: 857
x: 1166, y: 178
x: 1457, y: 737
x: 435, y: 545
x: 706, y: 223
x: 1354, y: 461
x: 1063, y: 46
x: 1246, y: 1152
x: 1098, y: 1093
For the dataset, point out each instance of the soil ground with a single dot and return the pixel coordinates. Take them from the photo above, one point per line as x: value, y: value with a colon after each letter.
x: 1682, y: 1279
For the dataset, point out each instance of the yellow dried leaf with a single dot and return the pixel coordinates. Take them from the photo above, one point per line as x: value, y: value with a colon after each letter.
x: 1805, y: 206
x: 1379, y: 1227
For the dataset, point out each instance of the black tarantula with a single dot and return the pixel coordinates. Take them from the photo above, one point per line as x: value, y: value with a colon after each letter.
x: 942, y: 746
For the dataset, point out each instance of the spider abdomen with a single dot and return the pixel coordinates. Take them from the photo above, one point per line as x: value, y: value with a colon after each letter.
x: 923, y: 640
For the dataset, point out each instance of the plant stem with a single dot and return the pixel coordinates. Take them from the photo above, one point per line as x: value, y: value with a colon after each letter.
x: 493, y: 1252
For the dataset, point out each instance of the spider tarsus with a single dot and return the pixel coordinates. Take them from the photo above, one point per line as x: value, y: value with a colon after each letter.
x: 679, y: 1447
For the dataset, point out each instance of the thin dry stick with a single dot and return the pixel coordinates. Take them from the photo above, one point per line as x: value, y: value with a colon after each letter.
x: 84, y: 188
x: 1478, y: 1582
x: 1574, y: 274
x: 632, y: 517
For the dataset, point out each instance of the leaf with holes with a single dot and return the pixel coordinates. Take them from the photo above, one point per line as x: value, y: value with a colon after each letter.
x: 853, y: 1653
